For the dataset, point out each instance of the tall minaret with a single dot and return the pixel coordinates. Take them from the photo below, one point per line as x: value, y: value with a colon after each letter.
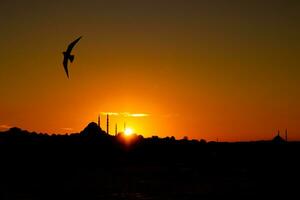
x: 286, y: 135
x: 107, y: 124
x: 116, y: 130
x: 99, y: 121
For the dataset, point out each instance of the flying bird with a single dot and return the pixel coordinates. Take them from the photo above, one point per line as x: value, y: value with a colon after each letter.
x: 68, y: 56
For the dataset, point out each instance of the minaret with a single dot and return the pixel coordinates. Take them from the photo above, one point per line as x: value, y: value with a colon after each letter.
x: 99, y: 121
x: 116, y: 130
x: 286, y: 135
x: 124, y: 127
x: 107, y: 124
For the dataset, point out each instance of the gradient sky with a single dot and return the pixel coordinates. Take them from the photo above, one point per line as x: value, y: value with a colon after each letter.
x: 203, y: 69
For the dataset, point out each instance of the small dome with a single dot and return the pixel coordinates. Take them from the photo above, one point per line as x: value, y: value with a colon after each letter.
x: 92, y: 129
x: 278, y: 139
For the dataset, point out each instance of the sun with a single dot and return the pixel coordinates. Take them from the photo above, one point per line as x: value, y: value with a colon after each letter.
x: 128, y: 131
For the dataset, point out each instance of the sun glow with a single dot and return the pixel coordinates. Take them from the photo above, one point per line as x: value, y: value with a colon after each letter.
x: 128, y: 131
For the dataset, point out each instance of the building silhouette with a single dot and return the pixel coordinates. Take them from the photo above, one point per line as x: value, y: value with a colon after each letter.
x: 278, y: 138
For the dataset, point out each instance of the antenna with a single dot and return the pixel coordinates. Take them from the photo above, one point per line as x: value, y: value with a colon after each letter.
x: 107, y: 124
x: 99, y: 121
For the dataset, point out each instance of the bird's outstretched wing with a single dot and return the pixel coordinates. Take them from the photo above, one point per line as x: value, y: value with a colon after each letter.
x: 71, y: 46
x: 65, y: 63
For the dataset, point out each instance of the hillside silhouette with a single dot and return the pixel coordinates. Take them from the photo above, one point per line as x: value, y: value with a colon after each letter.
x: 94, y: 165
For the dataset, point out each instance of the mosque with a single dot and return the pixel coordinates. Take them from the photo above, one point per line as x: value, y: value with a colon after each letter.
x: 279, y: 139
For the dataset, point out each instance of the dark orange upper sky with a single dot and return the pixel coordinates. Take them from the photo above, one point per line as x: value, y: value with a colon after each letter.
x: 203, y: 69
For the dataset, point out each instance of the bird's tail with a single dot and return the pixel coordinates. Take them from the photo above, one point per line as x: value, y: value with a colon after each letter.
x: 71, y: 58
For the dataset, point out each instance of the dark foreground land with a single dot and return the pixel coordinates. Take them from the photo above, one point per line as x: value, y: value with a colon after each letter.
x: 101, y: 167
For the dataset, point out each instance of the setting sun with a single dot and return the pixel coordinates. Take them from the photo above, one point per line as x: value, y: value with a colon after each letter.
x: 128, y: 131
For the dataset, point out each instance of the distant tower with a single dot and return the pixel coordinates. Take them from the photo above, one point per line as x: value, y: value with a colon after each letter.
x: 107, y: 124
x: 124, y: 126
x: 116, y: 130
x: 286, y: 135
x: 99, y: 121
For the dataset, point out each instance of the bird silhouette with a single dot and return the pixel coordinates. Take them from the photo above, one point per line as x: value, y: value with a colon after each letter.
x: 68, y: 56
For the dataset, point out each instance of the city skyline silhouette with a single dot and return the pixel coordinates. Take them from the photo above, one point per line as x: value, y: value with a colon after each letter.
x: 93, y: 163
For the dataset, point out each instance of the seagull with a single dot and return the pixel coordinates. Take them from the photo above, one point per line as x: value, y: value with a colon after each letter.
x: 68, y: 56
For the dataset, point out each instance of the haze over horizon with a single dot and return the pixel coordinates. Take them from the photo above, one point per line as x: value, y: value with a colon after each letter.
x: 209, y: 69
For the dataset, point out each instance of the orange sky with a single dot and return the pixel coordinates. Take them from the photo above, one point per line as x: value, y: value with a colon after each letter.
x: 198, y: 69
